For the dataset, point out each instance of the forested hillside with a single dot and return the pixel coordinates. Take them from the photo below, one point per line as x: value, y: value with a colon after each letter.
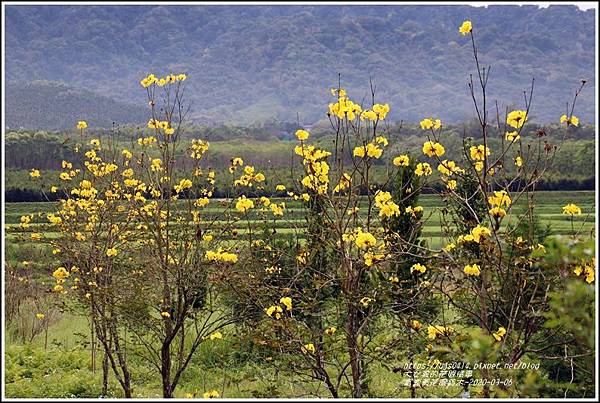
x: 250, y: 64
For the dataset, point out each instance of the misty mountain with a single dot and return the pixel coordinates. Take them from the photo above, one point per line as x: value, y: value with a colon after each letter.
x: 252, y: 63
x: 52, y: 106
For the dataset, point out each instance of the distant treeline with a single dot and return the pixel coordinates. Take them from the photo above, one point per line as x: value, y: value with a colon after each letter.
x: 24, y: 194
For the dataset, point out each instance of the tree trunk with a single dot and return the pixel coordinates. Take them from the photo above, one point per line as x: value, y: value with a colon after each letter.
x: 353, y: 351
x: 165, y: 355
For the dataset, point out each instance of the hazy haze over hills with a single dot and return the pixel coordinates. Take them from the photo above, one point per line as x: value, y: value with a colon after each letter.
x: 250, y: 63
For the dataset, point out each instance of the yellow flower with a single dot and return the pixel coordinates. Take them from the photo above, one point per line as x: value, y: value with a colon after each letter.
x: 418, y: 267
x: 381, y: 110
x: 111, y: 252
x: 498, y: 212
x: 466, y: 27
x: 60, y: 274
x: 373, y: 151
x: 574, y: 120
x: 430, y: 149
x: 169, y: 131
x: 302, y: 135
x: 365, y: 240
x: 308, y: 348
x: 244, y: 204
x: 449, y: 247
x: 401, y: 161
x: 426, y: 124
x: 216, y: 335
x: 512, y: 136
x: 516, y: 118
x: 287, y: 301
x: 213, y: 394
x: 330, y: 330
x: 500, y: 198
x: 359, y: 152
x: 451, y: 184
x: 499, y: 334
x: 274, y: 310
x: 182, y: 77
x: 571, y: 209
x: 423, y: 168
x: 365, y: 301
x: 82, y: 124
x: 34, y: 173
x: 480, y: 232
x: 519, y: 161
x: 280, y: 188
x: 183, y: 184
x: 472, y: 270
x: 207, y: 237
x: 165, y: 314
x: 415, y: 324
x: 40, y: 315
x: 479, y: 153
x: 434, y: 331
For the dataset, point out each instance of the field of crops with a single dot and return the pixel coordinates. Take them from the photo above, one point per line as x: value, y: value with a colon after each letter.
x: 548, y: 207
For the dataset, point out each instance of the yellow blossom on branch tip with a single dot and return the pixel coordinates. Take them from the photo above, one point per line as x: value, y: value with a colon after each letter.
x: 34, y: 173
x: 330, y: 330
x: 418, y: 267
x: 302, y: 135
x: 516, y: 118
x: 430, y: 149
x: 571, y: 209
x: 213, y: 394
x: 498, y: 335
x: 466, y: 27
x: 573, y: 120
x: 82, y: 124
x: 472, y: 270
x: 401, y: 160
x: 287, y: 301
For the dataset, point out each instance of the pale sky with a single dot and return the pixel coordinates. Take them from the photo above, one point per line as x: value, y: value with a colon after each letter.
x: 583, y: 5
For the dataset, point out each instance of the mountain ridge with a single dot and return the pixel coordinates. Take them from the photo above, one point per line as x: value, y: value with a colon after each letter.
x: 253, y: 63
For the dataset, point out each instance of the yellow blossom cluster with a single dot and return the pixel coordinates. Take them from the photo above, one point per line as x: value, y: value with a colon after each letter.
x: 243, y: 204
x: 571, y: 209
x: 516, y: 118
x: 344, y: 107
x: 151, y: 79
x: 401, y: 161
x: 472, y: 270
x: 573, y: 120
x: 221, y: 256
x: 477, y: 235
x: 387, y: 207
x: 249, y: 177
x: 587, y: 268
x: 478, y: 153
x: 371, y: 149
x: 438, y: 330
x: 430, y: 123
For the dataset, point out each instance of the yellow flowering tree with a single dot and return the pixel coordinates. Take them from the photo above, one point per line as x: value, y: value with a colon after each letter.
x: 491, y: 267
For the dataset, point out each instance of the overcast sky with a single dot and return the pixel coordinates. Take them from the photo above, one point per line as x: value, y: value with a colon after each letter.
x: 583, y: 5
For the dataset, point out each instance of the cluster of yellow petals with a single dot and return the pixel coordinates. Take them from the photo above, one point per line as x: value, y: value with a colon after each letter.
x: 249, y: 177
x: 472, y: 270
x: 430, y: 123
x: 516, y: 118
x: 431, y: 148
x: 152, y: 79
x: 387, y: 207
x: 571, y: 209
x: 221, y: 256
